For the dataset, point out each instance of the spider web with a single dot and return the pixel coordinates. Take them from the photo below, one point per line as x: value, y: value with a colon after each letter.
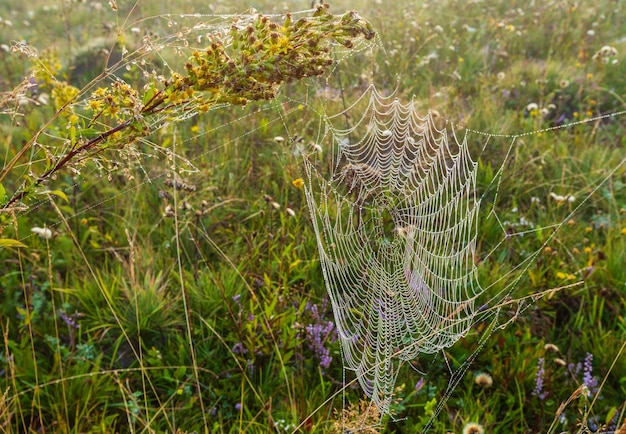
x: 396, y: 217
x: 396, y: 227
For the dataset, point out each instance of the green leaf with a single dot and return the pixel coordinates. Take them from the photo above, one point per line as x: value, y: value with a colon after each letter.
x: 7, y: 242
x: 58, y: 193
x: 89, y: 133
x: 3, y: 193
x: 147, y: 96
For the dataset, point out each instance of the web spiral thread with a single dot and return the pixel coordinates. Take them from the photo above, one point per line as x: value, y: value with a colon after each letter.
x: 396, y: 223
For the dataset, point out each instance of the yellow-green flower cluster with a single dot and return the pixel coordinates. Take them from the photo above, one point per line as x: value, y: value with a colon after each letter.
x: 248, y: 63
x: 264, y: 54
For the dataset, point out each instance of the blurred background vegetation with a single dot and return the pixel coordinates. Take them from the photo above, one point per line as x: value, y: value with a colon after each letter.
x: 166, y: 299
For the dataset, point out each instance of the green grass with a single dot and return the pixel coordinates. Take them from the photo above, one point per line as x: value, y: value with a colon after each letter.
x: 131, y: 320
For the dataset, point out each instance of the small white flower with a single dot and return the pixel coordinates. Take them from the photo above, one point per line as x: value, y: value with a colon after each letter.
x: 557, y: 197
x: 501, y: 75
x: 44, y: 232
x: 43, y: 98
x: 275, y: 205
x: 135, y: 30
x: 169, y: 211
x: 291, y: 212
x: 591, y: 32
x: 279, y: 139
x: 551, y: 347
x: 532, y: 107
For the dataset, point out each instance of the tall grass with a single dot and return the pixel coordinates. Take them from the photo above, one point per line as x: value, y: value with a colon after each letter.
x: 180, y: 289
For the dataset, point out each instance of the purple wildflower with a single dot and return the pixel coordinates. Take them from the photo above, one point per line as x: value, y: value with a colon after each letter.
x: 238, y: 348
x: 238, y: 406
x: 420, y: 384
x: 588, y: 379
x: 312, y: 307
x: 541, y: 372
x: 317, y: 335
x: 71, y: 322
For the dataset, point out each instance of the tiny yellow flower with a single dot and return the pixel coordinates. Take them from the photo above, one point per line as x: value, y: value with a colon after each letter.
x: 560, y: 275
x: 195, y: 129
x: 588, y: 250
x: 95, y: 105
x: 461, y: 60
x: 623, y: 231
x: 575, y: 114
x: 298, y: 183
x: 588, y: 229
x: 589, y: 76
x: 100, y: 92
x: 589, y: 113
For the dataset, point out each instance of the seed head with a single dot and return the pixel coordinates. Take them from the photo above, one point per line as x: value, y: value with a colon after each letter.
x: 484, y: 380
x: 473, y: 428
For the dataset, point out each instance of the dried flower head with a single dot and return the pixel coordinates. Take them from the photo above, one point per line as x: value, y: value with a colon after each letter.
x: 551, y: 347
x: 473, y: 428
x: 483, y: 379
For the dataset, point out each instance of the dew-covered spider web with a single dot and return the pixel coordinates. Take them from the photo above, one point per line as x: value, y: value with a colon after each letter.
x: 396, y: 211
x: 396, y: 230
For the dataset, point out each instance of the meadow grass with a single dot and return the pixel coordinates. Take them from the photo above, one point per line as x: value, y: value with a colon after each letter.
x: 169, y: 300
